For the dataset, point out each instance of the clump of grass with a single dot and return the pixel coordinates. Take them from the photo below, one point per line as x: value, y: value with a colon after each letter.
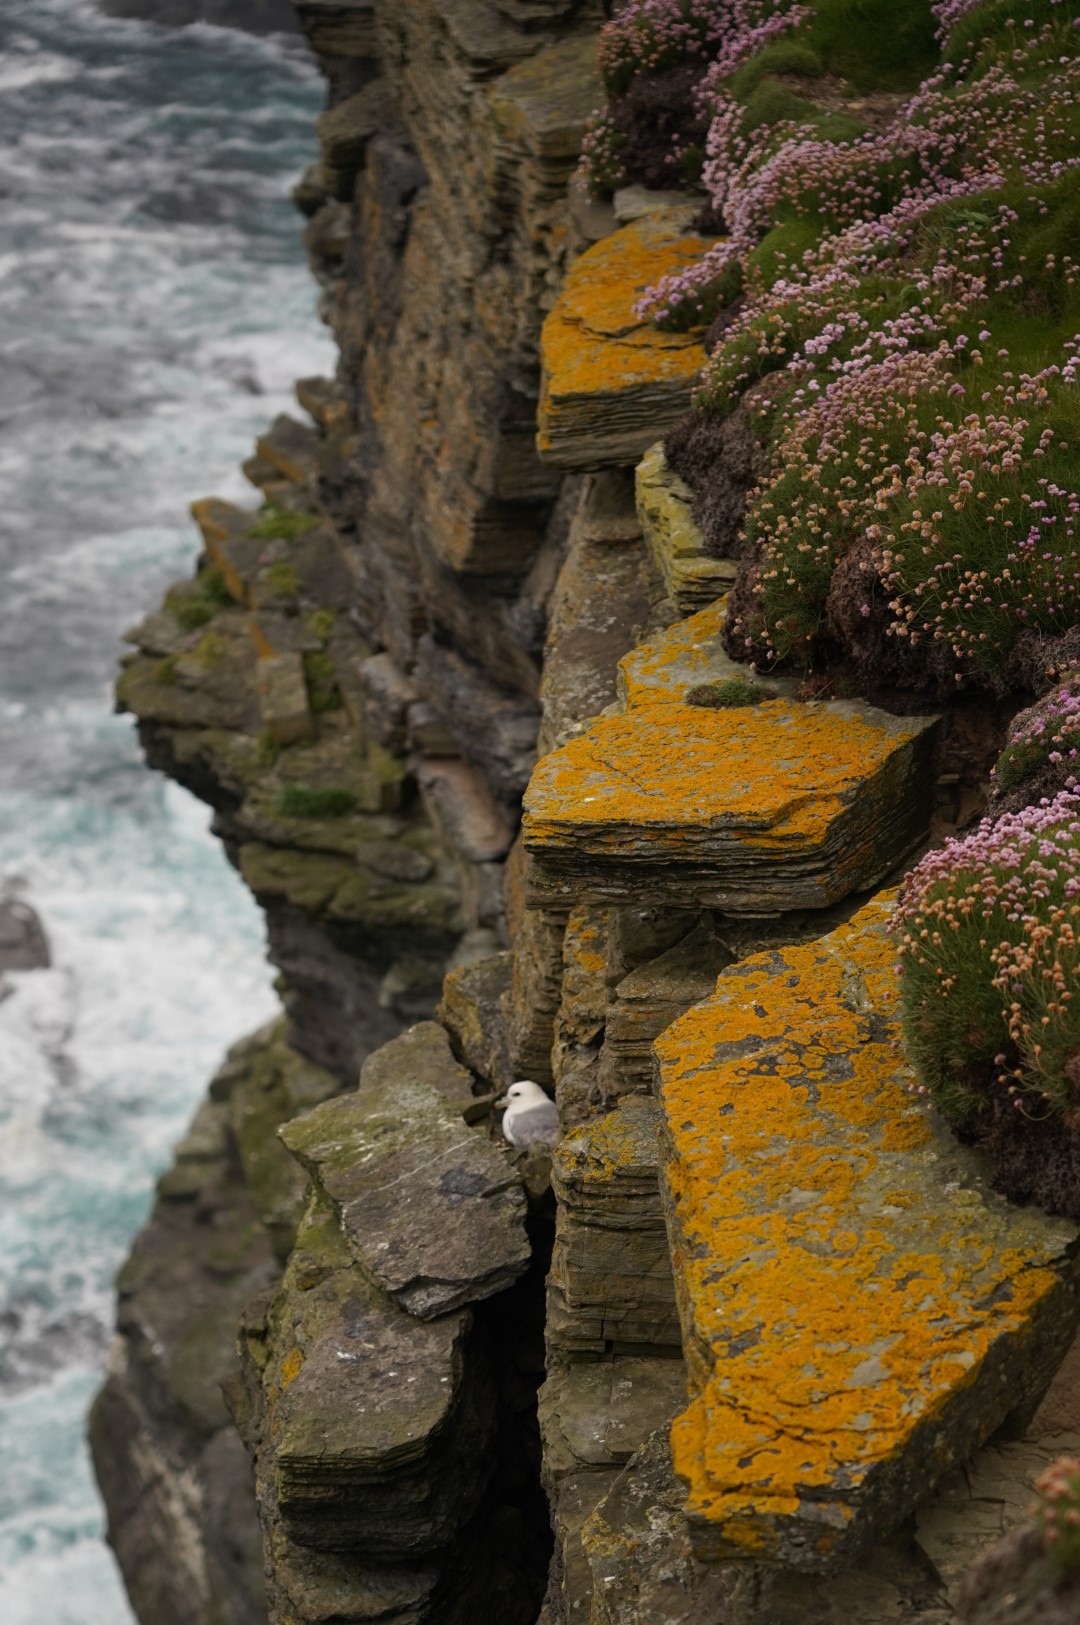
x: 321, y: 622
x: 324, y: 690
x: 165, y: 671
x: 267, y: 749
x: 276, y: 524
x: 192, y: 613
x: 282, y: 579
x: 727, y: 694
x: 196, y: 606
x: 209, y: 650
x: 312, y: 801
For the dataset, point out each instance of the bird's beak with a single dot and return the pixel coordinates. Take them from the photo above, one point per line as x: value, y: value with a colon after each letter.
x: 502, y: 1103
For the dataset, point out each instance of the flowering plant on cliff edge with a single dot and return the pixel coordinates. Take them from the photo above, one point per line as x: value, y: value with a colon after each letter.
x: 988, y: 934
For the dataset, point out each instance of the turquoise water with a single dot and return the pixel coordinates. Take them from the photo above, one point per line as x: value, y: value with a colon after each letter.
x: 154, y: 311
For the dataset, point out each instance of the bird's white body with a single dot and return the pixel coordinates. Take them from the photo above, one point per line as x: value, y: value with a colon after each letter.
x: 531, y: 1117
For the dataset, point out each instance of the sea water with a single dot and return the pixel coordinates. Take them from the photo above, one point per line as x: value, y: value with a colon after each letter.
x: 155, y: 309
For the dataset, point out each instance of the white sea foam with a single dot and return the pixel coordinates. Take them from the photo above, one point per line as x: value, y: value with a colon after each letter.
x: 156, y: 311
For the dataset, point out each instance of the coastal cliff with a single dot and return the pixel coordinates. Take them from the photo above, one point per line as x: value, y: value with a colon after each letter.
x: 446, y: 685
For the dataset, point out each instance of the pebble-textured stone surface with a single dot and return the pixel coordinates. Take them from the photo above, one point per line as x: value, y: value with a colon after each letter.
x: 612, y: 382
x: 859, y: 1310
x: 431, y: 1209
x: 755, y: 810
x: 664, y: 504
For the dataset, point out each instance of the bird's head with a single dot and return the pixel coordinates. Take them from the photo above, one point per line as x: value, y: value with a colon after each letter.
x: 524, y: 1092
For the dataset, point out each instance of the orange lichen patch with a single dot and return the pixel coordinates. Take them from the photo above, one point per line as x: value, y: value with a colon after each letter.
x: 859, y: 1310
x: 220, y: 523
x: 765, y: 807
x: 605, y: 373
x: 660, y: 672
x: 595, y: 1154
x: 291, y: 1367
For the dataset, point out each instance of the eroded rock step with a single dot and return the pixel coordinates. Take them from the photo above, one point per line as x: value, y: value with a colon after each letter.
x: 611, y: 382
x: 759, y: 810
x: 431, y: 1210
x: 665, y: 508
x: 859, y: 1310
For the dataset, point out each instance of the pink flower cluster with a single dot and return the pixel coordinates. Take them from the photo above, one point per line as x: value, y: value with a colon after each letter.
x: 996, y: 917
x: 1045, y: 735
x: 647, y: 36
x: 1059, y: 1511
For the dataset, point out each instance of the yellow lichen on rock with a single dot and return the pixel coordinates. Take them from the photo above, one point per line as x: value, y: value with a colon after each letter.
x: 665, y: 508
x: 610, y: 381
x: 759, y: 809
x: 859, y: 1310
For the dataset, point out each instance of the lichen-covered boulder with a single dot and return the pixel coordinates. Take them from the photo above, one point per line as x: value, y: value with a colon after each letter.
x: 611, y: 381
x: 757, y: 810
x: 859, y: 1310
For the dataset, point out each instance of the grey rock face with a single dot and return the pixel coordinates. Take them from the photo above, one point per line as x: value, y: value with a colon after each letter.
x: 431, y: 1209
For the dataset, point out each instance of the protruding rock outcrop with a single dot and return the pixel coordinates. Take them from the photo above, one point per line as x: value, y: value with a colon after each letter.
x: 613, y: 382
x: 859, y: 1311
x: 758, y: 809
x: 430, y: 1210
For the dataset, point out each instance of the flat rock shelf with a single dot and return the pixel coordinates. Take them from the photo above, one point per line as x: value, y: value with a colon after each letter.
x: 755, y: 810
x: 859, y: 1310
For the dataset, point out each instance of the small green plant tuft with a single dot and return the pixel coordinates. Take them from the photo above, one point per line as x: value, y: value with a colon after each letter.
x: 192, y: 613
x: 321, y: 622
x: 324, y: 691
x: 267, y: 749
x: 276, y: 524
x: 311, y: 801
x: 165, y: 671
x: 282, y: 579
x: 727, y: 694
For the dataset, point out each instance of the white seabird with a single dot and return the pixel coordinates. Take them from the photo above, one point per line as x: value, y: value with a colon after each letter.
x: 531, y: 1117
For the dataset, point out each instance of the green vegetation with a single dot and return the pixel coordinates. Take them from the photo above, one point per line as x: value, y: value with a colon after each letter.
x: 282, y: 579
x: 195, y: 606
x: 727, y: 694
x: 324, y: 690
x: 276, y: 524
x: 310, y: 801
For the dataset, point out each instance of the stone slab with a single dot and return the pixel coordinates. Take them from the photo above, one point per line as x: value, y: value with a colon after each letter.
x: 595, y: 1414
x: 859, y: 1310
x: 756, y: 810
x: 665, y: 510
x: 649, y: 999
x: 611, y: 383
x: 431, y: 1209
x: 378, y: 1441
x: 684, y: 656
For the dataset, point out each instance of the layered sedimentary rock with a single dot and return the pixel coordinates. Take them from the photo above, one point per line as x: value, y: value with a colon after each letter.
x: 173, y: 1472
x: 859, y: 1311
x: 430, y: 1209
x: 665, y: 507
x: 611, y: 1284
x: 753, y: 810
x: 612, y: 382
